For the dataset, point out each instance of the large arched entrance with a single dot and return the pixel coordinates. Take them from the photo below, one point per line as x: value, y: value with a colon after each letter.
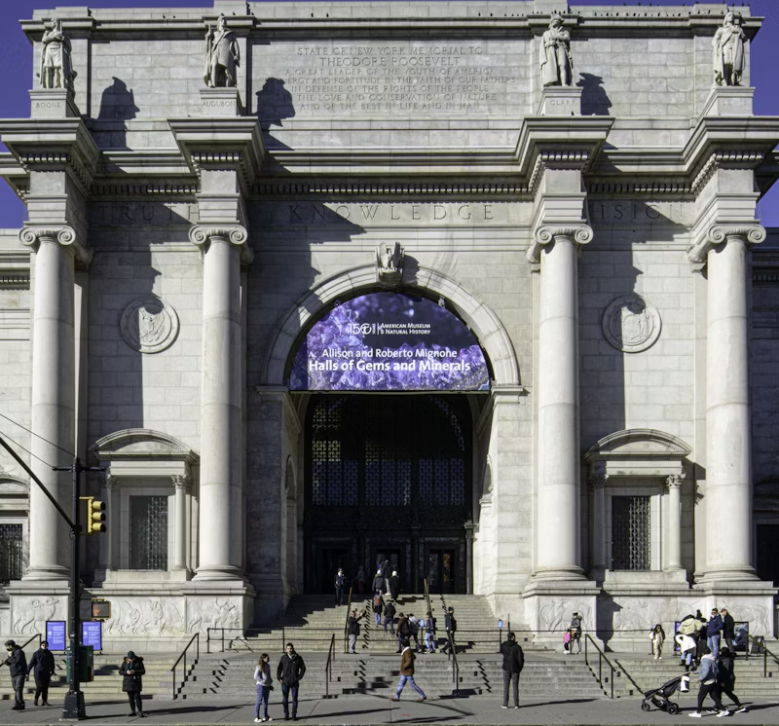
x: 388, y: 477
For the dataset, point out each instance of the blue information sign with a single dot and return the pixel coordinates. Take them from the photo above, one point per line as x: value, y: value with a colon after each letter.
x: 92, y: 633
x: 55, y: 634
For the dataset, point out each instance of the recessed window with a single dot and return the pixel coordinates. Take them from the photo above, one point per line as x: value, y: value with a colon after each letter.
x: 631, y: 520
x: 149, y: 533
x: 11, y: 552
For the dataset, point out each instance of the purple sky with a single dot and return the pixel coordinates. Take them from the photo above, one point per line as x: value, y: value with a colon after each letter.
x: 16, y: 75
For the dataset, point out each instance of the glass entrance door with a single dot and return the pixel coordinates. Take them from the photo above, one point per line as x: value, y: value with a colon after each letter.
x: 391, y: 554
x: 441, y: 570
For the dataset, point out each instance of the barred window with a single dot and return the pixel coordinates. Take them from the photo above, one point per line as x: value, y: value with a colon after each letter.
x: 149, y: 533
x: 631, y: 533
x: 11, y: 553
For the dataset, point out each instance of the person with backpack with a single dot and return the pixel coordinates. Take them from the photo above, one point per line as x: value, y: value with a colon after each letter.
x: 513, y: 663
x: 430, y: 632
x: 389, y: 617
x: 378, y: 607
x: 726, y: 678
x: 707, y: 677
x: 132, y: 671
x: 264, y: 683
x: 404, y: 631
x: 340, y: 580
x: 451, y: 628
x: 407, y: 673
x: 576, y: 633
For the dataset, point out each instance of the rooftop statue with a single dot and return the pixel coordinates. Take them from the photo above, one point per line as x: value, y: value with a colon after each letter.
x: 56, y: 69
x: 222, y: 56
x: 728, y: 52
x: 555, y: 57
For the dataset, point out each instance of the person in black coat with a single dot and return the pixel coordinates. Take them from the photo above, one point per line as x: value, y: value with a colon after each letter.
x: 378, y: 583
x: 17, y: 664
x: 726, y: 678
x: 513, y: 663
x: 450, y: 624
x: 132, y: 670
x: 389, y: 617
x: 394, y: 586
x: 42, y: 666
x: 289, y: 673
x: 728, y: 629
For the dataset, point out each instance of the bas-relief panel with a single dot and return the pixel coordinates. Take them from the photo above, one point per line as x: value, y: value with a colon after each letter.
x: 406, y: 78
x: 145, y: 616
x: 31, y: 613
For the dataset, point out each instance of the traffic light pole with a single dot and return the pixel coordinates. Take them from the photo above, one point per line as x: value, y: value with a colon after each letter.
x: 74, y: 699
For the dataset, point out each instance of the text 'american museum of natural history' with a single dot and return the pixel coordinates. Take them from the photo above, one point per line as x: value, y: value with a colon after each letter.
x: 475, y: 289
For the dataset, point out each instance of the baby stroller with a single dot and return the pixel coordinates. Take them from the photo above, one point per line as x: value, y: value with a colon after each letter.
x: 660, y: 696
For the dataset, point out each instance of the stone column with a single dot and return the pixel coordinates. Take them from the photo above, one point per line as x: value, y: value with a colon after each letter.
x: 52, y: 411
x: 674, y: 484
x: 181, y: 483
x: 598, y: 487
x: 558, y: 555
x: 728, y: 493
x: 221, y: 503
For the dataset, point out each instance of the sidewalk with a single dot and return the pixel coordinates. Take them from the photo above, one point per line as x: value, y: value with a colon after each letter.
x: 371, y: 709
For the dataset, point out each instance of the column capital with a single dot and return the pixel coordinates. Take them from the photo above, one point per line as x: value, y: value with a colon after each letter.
x: 181, y: 482
x: 109, y: 481
x: 596, y: 481
x: 717, y: 234
x: 201, y: 235
x: 674, y: 481
x: 580, y: 234
x: 32, y: 236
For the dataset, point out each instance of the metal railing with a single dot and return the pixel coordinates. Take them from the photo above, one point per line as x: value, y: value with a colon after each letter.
x: 762, y: 649
x: 37, y: 635
x: 601, y: 658
x: 194, y: 639
x: 221, y: 639
x: 329, y: 666
x: 455, y: 669
x: 346, y: 621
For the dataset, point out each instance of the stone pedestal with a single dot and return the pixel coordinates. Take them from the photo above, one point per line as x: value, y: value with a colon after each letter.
x: 549, y: 607
x: 560, y: 101
x: 220, y: 102
x: 729, y: 101
x: 52, y: 103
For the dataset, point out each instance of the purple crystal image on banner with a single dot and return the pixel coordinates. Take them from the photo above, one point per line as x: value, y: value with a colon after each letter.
x: 388, y: 341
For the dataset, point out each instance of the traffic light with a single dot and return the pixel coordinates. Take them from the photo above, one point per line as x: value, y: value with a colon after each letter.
x: 95, y: 516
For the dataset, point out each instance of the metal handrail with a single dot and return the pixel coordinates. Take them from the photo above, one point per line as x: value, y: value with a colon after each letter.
x: 455, y: 670
x: 763, y: 649
x: 346, y: 621
x: 329, y: 665
x: 427, y: 597
x: 601, y: 658
x: 37, y: 635
x: 194, y: 639
x: 222, y: 638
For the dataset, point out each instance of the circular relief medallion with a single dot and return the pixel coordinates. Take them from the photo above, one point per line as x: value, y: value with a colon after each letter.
x: 631, y: 324
x: 149, y: 325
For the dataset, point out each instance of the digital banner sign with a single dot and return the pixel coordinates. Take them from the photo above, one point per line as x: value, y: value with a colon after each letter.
x: 387, y: 341
x: 55, y: 634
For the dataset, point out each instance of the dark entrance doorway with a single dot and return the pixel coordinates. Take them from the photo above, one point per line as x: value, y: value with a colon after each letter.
x: 768, y: 552
x: 389, y: 478
x: 441, y: 569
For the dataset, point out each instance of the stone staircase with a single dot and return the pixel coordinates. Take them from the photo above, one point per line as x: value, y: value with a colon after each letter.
x: 229, y: 676
x: 642, y: 674
x: 157, y: 683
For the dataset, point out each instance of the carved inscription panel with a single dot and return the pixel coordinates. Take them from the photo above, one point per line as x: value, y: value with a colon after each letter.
x: 405, y: 78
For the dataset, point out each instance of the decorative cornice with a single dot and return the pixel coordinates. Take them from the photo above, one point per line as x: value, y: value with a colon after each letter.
x: 66, y: 236
x: 581, y: 234
x: 446, y: 189
x: 716, y: 234
x: 201, y: 235
x: 125, y: 189
x: 725, y: 160
x: 633, y: 188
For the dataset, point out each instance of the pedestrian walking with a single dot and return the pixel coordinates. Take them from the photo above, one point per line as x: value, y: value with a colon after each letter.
x: 389, y: 617
x: 360, y: 580
x: 430, y: 632
x: 658, y: 638
x: 378, y: 607
x: 450, y: 624
x: 404, y: 631
x: 726, y: 678
x: 413, y: 625
x: 132, y: 671
x: 385, y: 568
x: 513, y: 663
x: 687, y: 646
x: 576, y: 633
x: 394, y: 585
x: 17, y: 665
x: 713, y: 632
x: 264, y: 683
x: 354, y: 630
x: 340, y: 580
x: 728, y: 630
x: 407, y: 673
x: 707, y: 677
x: 42, y: 667
x: 378, y: 583
x: 289, y: 673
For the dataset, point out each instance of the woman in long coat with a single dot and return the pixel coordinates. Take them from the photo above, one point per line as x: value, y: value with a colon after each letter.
x: 132, y: 670
x: 42, y: 666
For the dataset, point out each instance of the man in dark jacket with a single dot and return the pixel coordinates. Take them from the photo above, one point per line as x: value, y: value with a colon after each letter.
x: 132, y: 671
x: 389, y: 617
x: 713, y: 630
x: 728, y: 629
x: 404, y: 631
x: 726, y: 677
x: 340, y: 580
x: 289, y: 673
x: 354, y: 630
x: 17, y: 664
x: 394, y: 585
x: 513, y: 663
x: 378, y: 583
x: 42, y: 666
x: 450, y: 624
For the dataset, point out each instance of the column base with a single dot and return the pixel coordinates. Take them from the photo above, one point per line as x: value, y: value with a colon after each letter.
x: 549, y: 606
x: 733, y: 574
x: 52, y: 103
x: 220, y: 102
x: 47, y: 574
x: 567, y: 574
x: 227, y: 573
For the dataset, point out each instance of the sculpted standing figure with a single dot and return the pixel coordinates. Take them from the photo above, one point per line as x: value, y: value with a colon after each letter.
x: 222, y: 56
x: 728, y: 48
x: 56, y: 68
x: 555, y: 56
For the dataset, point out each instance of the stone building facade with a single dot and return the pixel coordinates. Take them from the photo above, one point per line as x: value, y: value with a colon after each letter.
x: 195, y: 208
